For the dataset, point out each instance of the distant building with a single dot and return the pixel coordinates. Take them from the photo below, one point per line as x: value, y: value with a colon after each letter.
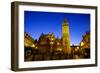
x: 85, y: 43
x: 66, y: 37
x: 28, y: 40
x: 30, y: 47
x: 45, y: 42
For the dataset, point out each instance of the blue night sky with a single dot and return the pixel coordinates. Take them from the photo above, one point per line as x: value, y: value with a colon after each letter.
x: 37, y: 22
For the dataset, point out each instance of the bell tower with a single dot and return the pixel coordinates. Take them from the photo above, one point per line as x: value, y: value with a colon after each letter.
x: 66, y: 37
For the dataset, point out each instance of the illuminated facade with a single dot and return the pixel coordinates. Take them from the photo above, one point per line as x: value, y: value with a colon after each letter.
x: 66, y: 37
x: 45, y: 42
x: 85, y: 43
x: 28, y: 40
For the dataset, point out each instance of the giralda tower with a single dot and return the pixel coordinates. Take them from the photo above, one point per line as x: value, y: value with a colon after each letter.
x: 66, y: 37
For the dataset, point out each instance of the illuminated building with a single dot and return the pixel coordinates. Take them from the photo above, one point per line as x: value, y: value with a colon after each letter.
x: 85, y: 43
x: 28, y: 40
x: 66, y: 37
x: 45, y: 43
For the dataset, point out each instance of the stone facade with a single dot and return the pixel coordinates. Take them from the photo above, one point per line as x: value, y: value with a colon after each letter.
x: 66, y: 37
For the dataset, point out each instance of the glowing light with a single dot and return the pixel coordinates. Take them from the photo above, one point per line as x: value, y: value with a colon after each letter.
x: 81, y: 43
x: 59, y: 49
x: 77, y: 47
x: 36, y: 47
x: 33, y: 45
